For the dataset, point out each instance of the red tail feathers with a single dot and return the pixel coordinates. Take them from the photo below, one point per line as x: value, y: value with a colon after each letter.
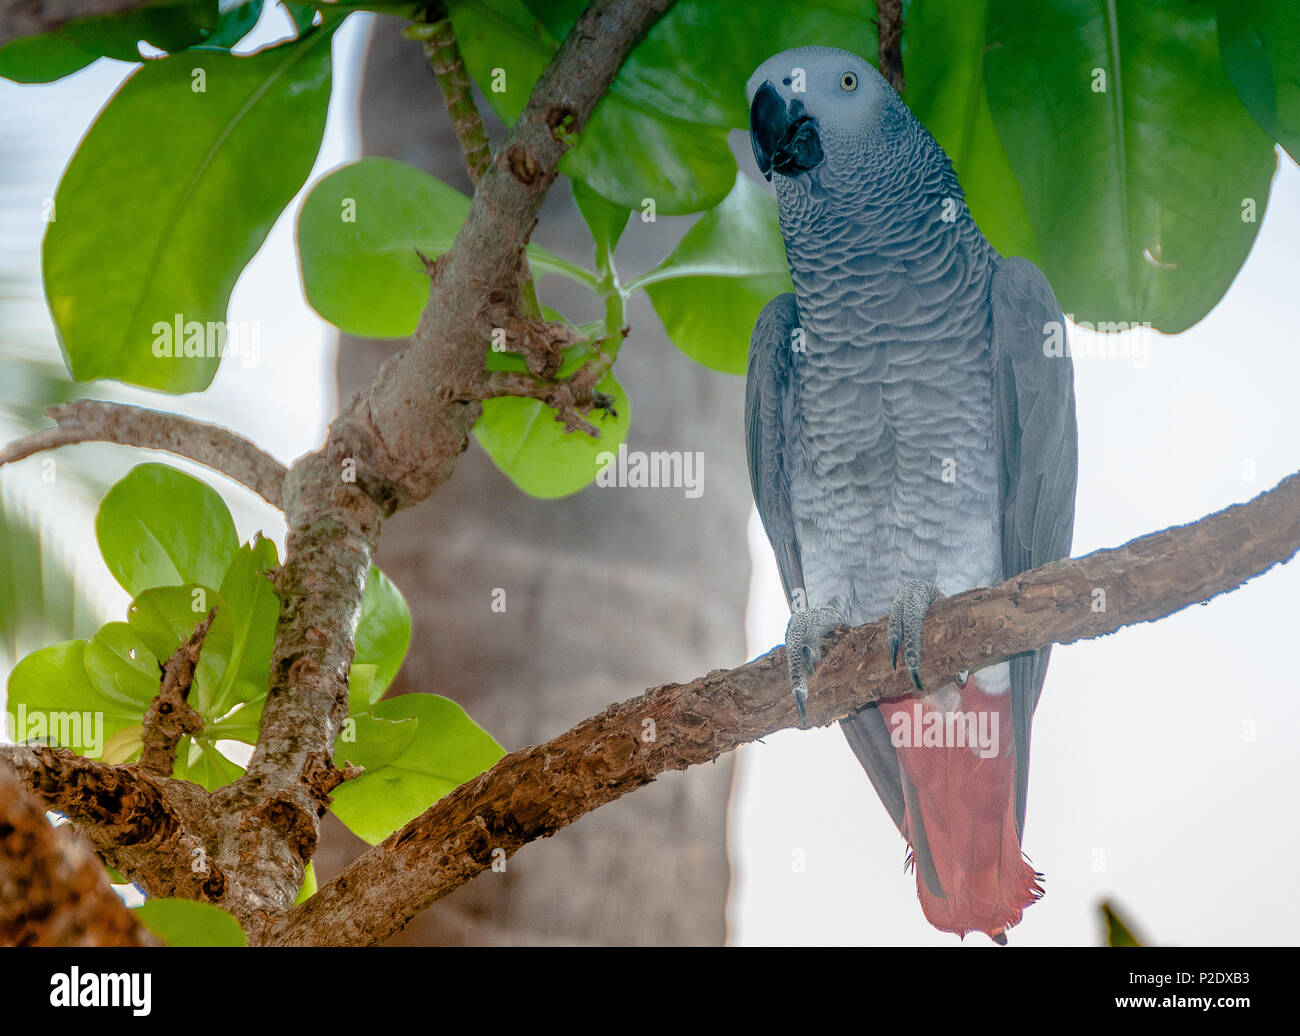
x: 957, y: 749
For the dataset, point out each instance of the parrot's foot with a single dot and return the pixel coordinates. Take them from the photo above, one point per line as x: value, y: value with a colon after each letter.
x: 905, y: 618
x: 803, y: 649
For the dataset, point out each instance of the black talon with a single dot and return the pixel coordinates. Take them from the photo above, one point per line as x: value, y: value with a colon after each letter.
x: 915, y: 674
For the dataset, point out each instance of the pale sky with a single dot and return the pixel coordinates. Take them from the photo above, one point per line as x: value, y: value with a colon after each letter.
x: 1164, y: 769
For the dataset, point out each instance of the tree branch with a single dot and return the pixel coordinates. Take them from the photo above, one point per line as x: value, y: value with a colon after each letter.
x: 534, y: 792
x: 94, y: 420
x: 53, y: 892
x: 397, y: 442
x: 889, y: 35
x: 169, y: 715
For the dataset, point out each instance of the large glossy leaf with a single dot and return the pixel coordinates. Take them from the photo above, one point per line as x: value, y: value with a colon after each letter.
x: 448, y: 749
x: 627, y: 152
x: 1260, y: 44
x: 1137, y: 193
x: 694, y: 62
x: 168, y: 197
x: 160, y: 527
x: 534, y: 451
x: 358, y: 230
x: 166, y: 26
x: 943, y: 52
x: 709, y: 290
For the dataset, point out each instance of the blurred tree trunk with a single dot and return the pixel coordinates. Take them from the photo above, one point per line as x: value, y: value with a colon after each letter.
x: 607, y: 592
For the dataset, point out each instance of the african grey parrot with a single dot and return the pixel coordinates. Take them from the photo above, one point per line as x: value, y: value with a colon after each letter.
x: 909, y: 437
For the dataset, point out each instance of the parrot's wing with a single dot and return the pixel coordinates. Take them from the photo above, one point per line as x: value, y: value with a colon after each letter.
x: 769, y: 398
x: 768, y: 406
x: 1038, y: 443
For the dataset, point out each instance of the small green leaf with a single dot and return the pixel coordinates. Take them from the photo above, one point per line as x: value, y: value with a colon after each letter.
x: 1260, y: 44
x: 168, y: 197
x: 384, y: 631
x: 449, y: 748
x: 122, y: 667
x: 533, y: 450
x: 160, y: 527
x: 52, y: 701
x: 604, y: 219
x: 308, y: 885
x: 363, y: 690
x: 250, y: 598
x: 1119, y: 932
x: 187, y: 922
x: 238, y: 17
x: 198, y: 760
x: 358, y: 230
x: 165, y: 617
x: 124, y: 745
x: 709, y: 290
x: 371, y: 741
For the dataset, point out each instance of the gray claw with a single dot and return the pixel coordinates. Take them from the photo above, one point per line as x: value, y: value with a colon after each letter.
x: 906, y: 615
x: 803, y: 649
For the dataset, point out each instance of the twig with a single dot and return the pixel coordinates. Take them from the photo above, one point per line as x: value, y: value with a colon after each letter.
x: 533, y: 793
x: 440, y: 47
x: 889, y: 33
x: 94, y: 420
x: 170, y: 716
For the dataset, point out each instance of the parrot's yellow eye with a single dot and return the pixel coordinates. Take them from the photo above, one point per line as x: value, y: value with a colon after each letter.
x: 848, y: 82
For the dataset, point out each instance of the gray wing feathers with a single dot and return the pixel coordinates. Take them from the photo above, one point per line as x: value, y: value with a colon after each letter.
x: 769, y: 395
x: 1037, y: 438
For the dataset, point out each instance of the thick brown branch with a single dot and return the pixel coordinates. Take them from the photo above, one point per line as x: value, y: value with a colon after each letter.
x: 889, y: 34
x: 391, y: 447
x: 148, y: 827
x: 94, y: 420
x: 170, y: 716
x: 534, y: 792
x: 53, y: 891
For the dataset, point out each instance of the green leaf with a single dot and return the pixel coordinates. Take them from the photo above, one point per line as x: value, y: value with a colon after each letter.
x: 302, y: 16
x: 161, y: 527
x: 1137, y: 193
x: 604, y: 219
x: 52, y: 700
x: 180, y: 189
x: 165, y: 617
x: 943, y: 52
x: 122, y: 668
x: 694, y: 62
x: 357, y: 235
x: 709, y: 290
x: 1119, y: 932
x: 236, y: 21
x: 43, y: 59
x: 250, y: 598
x: 198, y: 760
x: 1260, y: 44
x: 449, y: 749
x: 187, y: 922
x: 308, y: 885
x: 384, y: 631
x: 533, y: 450
x: 627, y: 152
x: 371, y: 741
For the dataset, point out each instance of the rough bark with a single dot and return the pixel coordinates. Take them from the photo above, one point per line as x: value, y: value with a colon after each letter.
x: 635, y: 586
x: 535, y: 792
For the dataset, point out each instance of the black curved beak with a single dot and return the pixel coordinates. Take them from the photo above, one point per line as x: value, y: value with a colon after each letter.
x: 784, y: 138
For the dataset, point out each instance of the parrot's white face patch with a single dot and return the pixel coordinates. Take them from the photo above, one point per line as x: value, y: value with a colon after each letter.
x: 842, y: 91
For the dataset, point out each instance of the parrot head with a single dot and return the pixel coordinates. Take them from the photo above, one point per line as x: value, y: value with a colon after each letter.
x: 815, y: 106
